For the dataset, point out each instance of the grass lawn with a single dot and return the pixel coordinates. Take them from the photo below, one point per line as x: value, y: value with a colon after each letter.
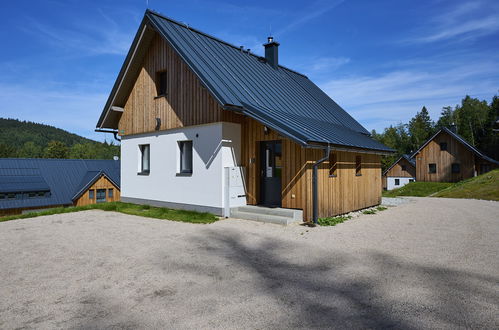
x: 419, y: 189
x: 485, y: 186
x: 127, y: 208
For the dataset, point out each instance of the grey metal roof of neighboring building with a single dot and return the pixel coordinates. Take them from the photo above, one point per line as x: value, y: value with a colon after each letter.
x: 460, y: 139
x: 237, y: 78
x: 63, y: 177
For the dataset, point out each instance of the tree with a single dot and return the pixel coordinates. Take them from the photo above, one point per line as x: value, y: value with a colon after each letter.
x: 56, y: 149
x: 7, y: 151
x: 421, y: 127
x: 447, y: 118
x: 30, y: 150
x: 471, y: 119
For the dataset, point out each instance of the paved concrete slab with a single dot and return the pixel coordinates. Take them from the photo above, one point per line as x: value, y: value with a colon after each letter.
x: 429, y: 263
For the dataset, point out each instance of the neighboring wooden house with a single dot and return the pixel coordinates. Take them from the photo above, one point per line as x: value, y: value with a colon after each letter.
x: 31, y: 184
x: 209, y: 126
x: 447, y: 157
x: 400, y: 173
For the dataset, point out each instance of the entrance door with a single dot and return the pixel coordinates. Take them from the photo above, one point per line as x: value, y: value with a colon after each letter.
x: 270, y: 173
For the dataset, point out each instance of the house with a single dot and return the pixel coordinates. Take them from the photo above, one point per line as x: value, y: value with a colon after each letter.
x: 33, y: 184
x: 447, y: 157
x: 209, y: 126
x: 400, y: 173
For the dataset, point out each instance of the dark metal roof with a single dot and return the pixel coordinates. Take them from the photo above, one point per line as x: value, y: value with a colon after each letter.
x: 237, y: 78
x: 62, y: 177
x: 462, y: 141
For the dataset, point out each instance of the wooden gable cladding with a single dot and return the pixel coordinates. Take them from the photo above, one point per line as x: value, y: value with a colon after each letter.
x: 456, y: 153
x: 101, y: 183
x: 397, y: 171
x: 337, y: 195
x: 186, y: 103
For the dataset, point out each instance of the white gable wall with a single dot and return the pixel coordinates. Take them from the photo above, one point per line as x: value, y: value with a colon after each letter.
x: 215, y: 146
x: 390, y: 182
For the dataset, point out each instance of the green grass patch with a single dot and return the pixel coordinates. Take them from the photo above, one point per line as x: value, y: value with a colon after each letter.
x: 381, y: 208
x: 418, y: 189
x: 485, y: 186
x: 127, y: 208
x: 371, y: 211
x: 333, y: 221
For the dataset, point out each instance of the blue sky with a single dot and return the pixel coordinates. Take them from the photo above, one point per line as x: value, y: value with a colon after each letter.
x: 381, y: 60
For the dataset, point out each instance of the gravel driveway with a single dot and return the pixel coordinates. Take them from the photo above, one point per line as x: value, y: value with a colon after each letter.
x: 429, y: 263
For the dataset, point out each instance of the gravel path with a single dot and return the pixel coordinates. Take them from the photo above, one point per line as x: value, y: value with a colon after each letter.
x: 429, y: 263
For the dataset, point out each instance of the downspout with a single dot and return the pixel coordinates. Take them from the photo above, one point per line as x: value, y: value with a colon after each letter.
x: 315, y: 185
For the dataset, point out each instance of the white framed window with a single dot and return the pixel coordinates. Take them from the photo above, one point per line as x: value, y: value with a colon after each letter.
x: 397, y: 182
x: 185, y: 148
x: 145, y: 159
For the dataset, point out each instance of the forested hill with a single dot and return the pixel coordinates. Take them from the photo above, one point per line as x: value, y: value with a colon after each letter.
x: 32, y: 140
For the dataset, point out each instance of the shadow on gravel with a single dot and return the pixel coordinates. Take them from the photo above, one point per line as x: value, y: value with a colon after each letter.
x: 332, y: 290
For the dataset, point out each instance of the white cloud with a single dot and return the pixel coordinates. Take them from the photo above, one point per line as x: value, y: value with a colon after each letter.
x: 469, y: 20
x: 392, y: 97
x: 324, y: 64
x: 60, y: 106
x: 320, y: 8
x: 101, y: 37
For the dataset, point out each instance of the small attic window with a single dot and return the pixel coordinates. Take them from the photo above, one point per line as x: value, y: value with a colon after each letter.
x: 161, y: 83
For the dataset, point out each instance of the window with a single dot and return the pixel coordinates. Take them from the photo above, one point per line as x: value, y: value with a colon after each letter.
x: 404, y: 168
x: 358, y: 165
x: 333, y: 164
x: 2, y: 196
x: 456, y: 168
x: 11, y: 195
x: 411, y: 180
x: 443, y: 146
x: 32, y: 194
x: 185, y: 157
x: 101, y: 195
x: 397, y: 182
x: 110, y: 193
x: 91, y: 194
x: 144, y: 159
x: 432, y: 168
x: 161, y: 83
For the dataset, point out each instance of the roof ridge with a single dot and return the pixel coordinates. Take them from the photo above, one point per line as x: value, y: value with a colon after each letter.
x: 187, y: 26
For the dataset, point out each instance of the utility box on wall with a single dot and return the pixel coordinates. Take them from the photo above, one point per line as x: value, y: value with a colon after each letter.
x: 235, y: 193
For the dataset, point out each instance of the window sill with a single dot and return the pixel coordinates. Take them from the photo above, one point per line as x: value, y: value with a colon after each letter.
x: 160, y: 96
x: 358, y: 174
x: 333, y: 176
x: 143, y: 173
x: 184, y: 174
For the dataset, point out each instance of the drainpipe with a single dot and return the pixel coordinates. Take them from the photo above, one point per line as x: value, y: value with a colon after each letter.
x: 315, y: 185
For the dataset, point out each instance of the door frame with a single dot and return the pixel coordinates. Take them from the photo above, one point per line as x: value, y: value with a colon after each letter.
x: 260, y: 173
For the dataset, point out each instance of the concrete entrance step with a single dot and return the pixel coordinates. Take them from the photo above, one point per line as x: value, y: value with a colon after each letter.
x: 267, y: 214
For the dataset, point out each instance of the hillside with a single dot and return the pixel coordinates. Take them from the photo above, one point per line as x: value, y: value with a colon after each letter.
x: 32, y: 140
x: 485, y: 186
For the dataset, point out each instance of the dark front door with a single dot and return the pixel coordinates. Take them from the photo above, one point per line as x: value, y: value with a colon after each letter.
x: 270, y: 173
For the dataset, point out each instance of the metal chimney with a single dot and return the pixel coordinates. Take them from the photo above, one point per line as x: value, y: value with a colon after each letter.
x: 271, y: 54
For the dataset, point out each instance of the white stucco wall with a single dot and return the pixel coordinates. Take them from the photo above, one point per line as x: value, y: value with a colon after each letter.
x: 390, y: 182
x: 215, y: 146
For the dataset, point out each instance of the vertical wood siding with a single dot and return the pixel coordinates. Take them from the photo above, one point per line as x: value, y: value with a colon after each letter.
x: 101, y: 183
x: 455, y: 153
x: 397, y: 170
x: 337, y: 195
x: 187, y: 102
